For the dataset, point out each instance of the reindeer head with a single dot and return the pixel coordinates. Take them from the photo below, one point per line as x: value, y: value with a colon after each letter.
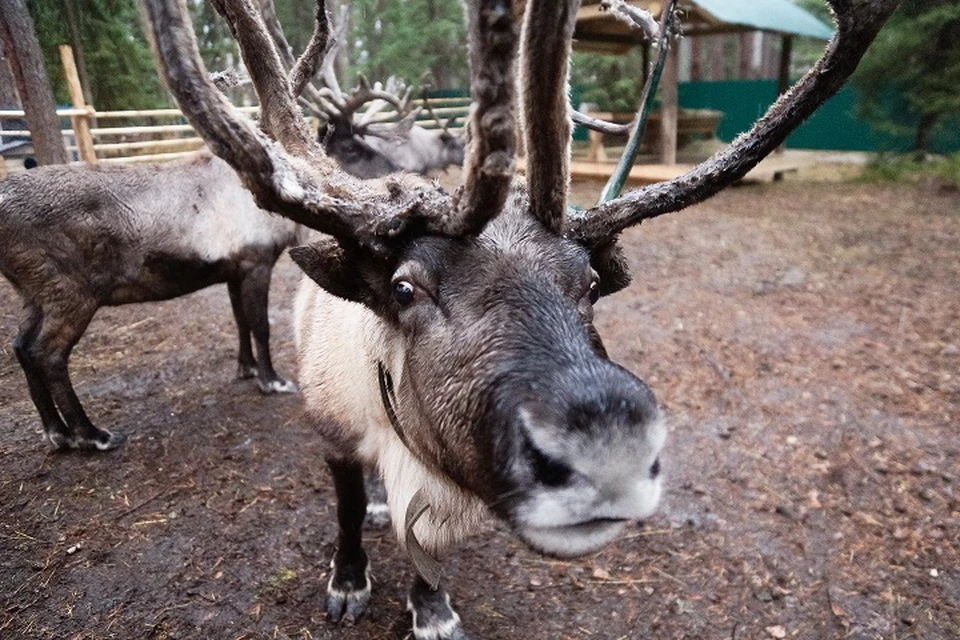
x: 494, y: 372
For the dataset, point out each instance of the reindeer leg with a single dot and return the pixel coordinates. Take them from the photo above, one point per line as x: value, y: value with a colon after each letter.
x: 348, y: 591
x: 24, y: 346
x: 246, y: 365
x: 433, y: 617
x: 378, y: 514
x: 254, y: 298
x: 59, y: 333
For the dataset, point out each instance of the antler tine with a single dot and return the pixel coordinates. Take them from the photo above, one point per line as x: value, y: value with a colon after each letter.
x: 489, y: 162
x: 545, y: 49
x: 269, y: 14
x: 279, y: 115
x: 857, y: 25
x: 304, y: 68
x: 307, y: 188
x: 327, y: 70
x: 364, y: 93
x: 597, y: 124
x: 312, y: 56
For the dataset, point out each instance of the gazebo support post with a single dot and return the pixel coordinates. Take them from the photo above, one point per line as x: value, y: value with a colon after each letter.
x: 669, y: 108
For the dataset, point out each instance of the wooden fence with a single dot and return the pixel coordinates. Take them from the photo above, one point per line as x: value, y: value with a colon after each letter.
x: 153, y: 135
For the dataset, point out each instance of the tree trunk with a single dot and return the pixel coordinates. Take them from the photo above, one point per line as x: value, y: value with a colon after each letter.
x: 342, y: 61
x: 78, y: 53
x: 21, y: 49
x: 921, y: 141
x: 9, y: 98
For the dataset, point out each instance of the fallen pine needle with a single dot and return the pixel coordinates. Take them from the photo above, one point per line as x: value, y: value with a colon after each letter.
x: 146, y: 522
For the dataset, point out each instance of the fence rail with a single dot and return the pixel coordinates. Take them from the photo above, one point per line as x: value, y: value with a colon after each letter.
x: 159, y: 135
x: 135, y: 136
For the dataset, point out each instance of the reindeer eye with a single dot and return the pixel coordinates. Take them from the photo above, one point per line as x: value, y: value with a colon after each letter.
x: 404, y: 292
x: 594, y: 292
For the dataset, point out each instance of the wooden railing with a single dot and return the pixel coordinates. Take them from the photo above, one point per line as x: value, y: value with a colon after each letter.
x: 121, y: 136
x: 158, y: 135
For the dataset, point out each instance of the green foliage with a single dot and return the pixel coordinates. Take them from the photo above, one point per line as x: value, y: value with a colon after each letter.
x: 819, y: 8
x: 915, y: 58
x: 806, y: 51
x: 407, y: 40
x: 218, y: 49
x: 118, y: 61
x: 297, y: 18
x: 944, y: 170
x: 614, y: 83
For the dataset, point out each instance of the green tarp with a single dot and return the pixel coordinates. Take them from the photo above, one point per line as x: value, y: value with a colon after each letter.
x: 780, y: 16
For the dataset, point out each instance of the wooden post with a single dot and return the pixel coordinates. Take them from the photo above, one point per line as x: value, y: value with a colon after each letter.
x: 786, y: 52
x: 81, y: 124
x: 668, y: 107
x: 783, y: 83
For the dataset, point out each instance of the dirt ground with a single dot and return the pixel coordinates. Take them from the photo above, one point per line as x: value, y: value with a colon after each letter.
x: 803, y: 337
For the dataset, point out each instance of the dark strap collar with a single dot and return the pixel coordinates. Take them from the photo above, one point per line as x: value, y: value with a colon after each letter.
x: 427, y: 566
x: 389, y: 400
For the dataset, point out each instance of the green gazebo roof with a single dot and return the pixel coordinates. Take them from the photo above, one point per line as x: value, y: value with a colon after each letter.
x: 598, y: 30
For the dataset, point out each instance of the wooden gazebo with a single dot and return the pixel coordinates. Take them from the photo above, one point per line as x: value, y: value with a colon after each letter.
x: 601, y: 32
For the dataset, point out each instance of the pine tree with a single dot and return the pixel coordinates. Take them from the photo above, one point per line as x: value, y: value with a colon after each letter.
x: 118, y: 63
x: 909, y: 78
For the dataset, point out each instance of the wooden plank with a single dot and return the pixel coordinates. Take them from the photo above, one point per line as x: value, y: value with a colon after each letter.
x: 770, y: 168
x: 136, y: 148
x: 81, y: 123
x: 156, y: 157
x: 640, y: 174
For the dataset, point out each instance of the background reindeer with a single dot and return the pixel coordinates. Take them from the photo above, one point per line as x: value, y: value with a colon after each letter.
x: 470, y: 373
x: 354, y: 130
x: 74, y: 238
x: 370, y: 147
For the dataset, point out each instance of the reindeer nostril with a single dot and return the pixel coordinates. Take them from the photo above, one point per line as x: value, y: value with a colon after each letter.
x: 655, y: 469
x: 549, y: 471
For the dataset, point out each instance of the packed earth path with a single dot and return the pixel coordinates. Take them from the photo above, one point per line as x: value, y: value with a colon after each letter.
x: 803, y: 337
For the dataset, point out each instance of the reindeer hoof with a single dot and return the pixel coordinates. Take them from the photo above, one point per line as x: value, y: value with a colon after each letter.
x: 433, y: 617
x: 247, y: 371
x: 348, y: 594
x: 112, y: 441
x: 101, y: 441
x: 276, y: 386
x: 60, y: 441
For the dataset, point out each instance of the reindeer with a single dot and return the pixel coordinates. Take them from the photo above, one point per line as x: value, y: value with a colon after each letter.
x: 369, y: 144
x: 74, y: 238
x: 447, y: 341
x: 365, y: 142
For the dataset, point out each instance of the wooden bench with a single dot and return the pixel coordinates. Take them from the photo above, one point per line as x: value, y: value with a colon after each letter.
x: 691, y: 124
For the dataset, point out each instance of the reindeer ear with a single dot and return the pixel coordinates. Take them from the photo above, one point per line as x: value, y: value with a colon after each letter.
x: 611, y: 265
x: 350, y: 274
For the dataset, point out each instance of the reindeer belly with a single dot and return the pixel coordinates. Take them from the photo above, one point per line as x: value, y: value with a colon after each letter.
x: 164, y: 276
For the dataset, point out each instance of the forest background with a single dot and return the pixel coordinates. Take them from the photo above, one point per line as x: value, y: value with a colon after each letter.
x: 905, y: 84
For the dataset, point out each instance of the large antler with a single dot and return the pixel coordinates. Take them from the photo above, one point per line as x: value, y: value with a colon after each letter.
x: 858, y: 22
x: 295, y: 178
x: 488, y: 165
x: 547, y: 32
